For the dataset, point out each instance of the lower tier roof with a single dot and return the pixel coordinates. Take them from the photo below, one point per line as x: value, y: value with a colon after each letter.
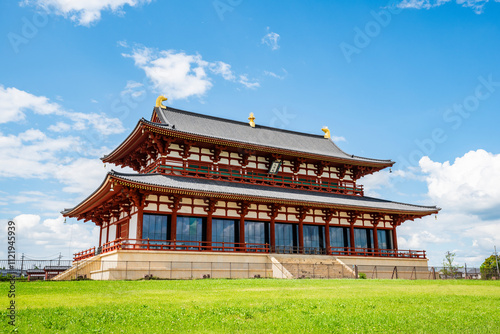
x: 251, y: 191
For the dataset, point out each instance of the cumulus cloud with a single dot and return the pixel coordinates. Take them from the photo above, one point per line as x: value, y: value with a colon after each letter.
x: 470, y: 184
x: 180, y: 75
x: 476, y: 5
x: 50, y: 236
x: 15, y: 103
x: 467, y: 235
x: 34, y: 155
x: 271, y: 40
x: 467, y: 190
x: 84, y: 12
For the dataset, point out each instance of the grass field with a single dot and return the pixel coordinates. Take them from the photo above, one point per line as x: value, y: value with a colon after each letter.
x: 256, y: 306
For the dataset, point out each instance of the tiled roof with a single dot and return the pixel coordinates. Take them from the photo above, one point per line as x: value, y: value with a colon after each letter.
x: 266, y: 192
x: 220, y: 128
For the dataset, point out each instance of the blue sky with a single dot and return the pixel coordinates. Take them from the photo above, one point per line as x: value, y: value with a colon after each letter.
x: 417, y: 82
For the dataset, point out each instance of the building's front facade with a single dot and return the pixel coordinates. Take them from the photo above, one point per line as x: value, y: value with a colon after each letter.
x: 207, y: 185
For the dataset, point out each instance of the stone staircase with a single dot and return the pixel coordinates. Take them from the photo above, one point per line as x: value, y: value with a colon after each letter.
x: 319, y: 266
x: 80, y: 269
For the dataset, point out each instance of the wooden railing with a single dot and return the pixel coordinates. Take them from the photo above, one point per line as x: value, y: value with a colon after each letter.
x: 206, y: 246
x: 399, y: 253
x: 258, y: 176
x: 180, y: 245
x: 84, y: 254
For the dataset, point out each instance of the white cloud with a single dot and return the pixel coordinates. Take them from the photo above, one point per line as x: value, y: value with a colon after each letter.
x: 180, y: 75
x: 222, y: 69
x: 470, y: 237
x: 14, y: 104
x: 134, y: 89
x: 271, y: 40
x: 476, y: 5
x: 274, y: 75
x: 338, y: 138
x: 60, y: 127
x: 471, y: 184
x: 84, y: 12
x: 245, y: 81
x: 51, y: 236
x: 33, y: 155
x: 466, y: 189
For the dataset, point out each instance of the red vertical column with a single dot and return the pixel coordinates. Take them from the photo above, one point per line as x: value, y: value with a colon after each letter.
x: 376, y: 220
x: 327, y: 238
x: 209, y: 231
x: 107, y: 232
x: 353, y: 216
x: 242, y: 233
x: 351, y: 235
x: 327, y: 217
x: 273, y: 213
x: 301, y: 237
x: 209, y: 209
x: 301, y: 215
x: 173, y: 226
x: 272, y: 235
x: 375, y: 238
x: 174, y: 206
x: 394, y: 237
x: 100, y: 236
x: 140, y: 220
x: 243, y: 211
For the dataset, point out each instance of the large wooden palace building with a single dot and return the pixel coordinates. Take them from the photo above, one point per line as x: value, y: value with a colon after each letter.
x: 210, y: 185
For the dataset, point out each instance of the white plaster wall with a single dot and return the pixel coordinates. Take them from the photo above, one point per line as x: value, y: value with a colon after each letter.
x: 112, y: 232
x: 132, y: 227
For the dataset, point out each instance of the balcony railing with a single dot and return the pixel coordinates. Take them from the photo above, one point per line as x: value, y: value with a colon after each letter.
x: 84, y: 254
x: 257, y: 176
x: 206, y: 246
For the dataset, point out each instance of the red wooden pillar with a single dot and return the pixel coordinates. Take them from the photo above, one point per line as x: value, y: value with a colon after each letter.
x: 140, y: 220
x: 242, y: 233
x: 107, y: 232
x: 327, y: 217
x: 209, y: 231
x: 301, y: 215
x: 353, y: 216
x: 375, y: 238
x: 243, y: 211
x: 327, y: 238
x: 394, y: 237
x: 376, y: 220
x: 209, y: 209
x: 100, y: 235
x: 301, y: 237
x: 174, y: 206
x: 274, y: 210
x: 173, y: 226
x: 351, y: 236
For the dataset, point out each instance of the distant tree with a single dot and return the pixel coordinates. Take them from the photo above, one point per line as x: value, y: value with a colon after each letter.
x: 489, y: 267
x: 449, y: 268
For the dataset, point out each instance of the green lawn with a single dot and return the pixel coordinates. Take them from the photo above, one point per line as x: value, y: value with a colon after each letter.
x: 256, y: 306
